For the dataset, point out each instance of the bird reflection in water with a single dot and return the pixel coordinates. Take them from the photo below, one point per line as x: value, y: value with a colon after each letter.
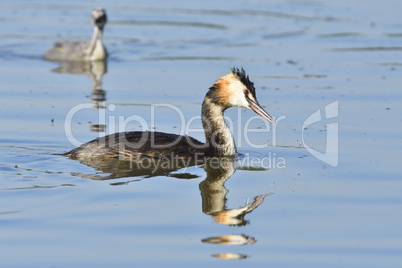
x: 111, y: 168
x: 95, y: 70
x: 213, y: 194
x: 230, y: 240
x: 214, y: 199
x: 213, y: 191
x: 230, y: 256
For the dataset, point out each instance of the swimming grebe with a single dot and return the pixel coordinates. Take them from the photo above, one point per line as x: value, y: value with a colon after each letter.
x: 82, y: 51
x: 233, y: 89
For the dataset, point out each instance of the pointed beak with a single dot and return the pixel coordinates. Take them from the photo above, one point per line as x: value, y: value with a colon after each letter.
x: 259, y: 110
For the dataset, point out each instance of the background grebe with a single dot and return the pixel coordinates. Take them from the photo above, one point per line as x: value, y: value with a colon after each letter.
x: 82, y: 51
x: 233, y: 89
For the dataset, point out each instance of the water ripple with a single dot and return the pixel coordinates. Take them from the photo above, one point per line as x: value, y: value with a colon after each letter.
x: 374, y: 48
x: 170, y: 23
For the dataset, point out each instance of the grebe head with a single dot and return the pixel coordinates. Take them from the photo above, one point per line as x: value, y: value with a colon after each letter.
x: 99, y: 17
x: 236, y: 89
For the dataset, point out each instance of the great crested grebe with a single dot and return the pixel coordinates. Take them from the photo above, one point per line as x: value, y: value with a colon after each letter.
x: 233, y: 89
x: 82, y: 51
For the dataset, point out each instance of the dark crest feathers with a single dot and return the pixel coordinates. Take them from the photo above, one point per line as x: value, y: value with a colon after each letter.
x: 243, y: 77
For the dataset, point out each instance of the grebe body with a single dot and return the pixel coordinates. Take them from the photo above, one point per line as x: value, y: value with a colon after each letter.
x: 233, y: 89
x: 82, y: 51
x: 135, y: 145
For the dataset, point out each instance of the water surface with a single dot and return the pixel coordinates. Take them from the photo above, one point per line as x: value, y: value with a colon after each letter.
x: 301, y: 211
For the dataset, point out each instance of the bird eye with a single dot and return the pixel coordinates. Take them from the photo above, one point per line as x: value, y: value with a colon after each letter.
x: 246, y: 91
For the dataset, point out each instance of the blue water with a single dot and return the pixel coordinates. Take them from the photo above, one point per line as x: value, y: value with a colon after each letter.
x: 339, y: 207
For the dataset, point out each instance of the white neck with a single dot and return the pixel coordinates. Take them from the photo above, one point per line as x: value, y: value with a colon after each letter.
x: 96, y: 50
